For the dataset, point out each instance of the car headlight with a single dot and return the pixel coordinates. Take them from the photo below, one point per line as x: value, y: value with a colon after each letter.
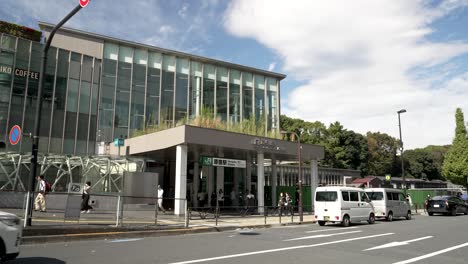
x: 10, y: 220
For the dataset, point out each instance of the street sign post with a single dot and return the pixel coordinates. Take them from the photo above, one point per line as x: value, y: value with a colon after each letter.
x: 15, y: 135
x: 84, y: 3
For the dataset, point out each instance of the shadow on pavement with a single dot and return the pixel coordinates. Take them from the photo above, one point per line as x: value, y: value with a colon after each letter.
x: 37, y: 260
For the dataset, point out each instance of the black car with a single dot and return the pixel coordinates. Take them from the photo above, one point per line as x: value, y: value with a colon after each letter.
x: 449, y: 205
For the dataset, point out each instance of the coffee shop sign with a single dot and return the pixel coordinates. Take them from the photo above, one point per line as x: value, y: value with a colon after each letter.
x: 20, y: 72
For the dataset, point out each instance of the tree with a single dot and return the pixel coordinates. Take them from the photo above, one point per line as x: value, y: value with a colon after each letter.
x: 455, y: 167
x: 419, y: 163
x: 382, y: 154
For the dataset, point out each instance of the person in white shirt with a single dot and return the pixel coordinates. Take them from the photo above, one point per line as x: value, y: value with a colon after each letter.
x: 160, y: 198
x: 85, y: 207
x: 40, y: 202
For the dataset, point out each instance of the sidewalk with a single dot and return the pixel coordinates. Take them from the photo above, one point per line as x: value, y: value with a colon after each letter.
x: 50, y: 226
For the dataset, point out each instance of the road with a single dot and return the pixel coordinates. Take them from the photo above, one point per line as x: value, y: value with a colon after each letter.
x: 425, y: 239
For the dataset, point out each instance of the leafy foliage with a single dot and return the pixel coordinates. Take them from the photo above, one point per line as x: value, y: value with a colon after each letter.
x: 455, y: 167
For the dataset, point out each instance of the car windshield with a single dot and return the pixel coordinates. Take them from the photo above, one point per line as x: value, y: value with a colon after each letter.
x: 438, y: 198
x: 375, y: 196
x: 326, y: 196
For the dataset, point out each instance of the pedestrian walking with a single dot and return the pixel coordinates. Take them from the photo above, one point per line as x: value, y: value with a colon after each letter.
x: 289, y: 204
x: 220, y: 198
x: 281, y: 202
x: 40, y: 201
x: 85, y: 207
x: 213, y: 199
x: 160, y: 198
x: 427, y: 202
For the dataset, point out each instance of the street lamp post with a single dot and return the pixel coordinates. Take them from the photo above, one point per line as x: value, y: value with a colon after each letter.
x: 401, y: 149
x: 35, y: 145
x: 301, y: 215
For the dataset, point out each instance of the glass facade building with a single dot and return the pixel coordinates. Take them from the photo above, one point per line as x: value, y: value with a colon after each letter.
x: 125, y: 87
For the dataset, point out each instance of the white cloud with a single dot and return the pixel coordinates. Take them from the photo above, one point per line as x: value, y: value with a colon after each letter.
x: 357, y: 60
x: 271, y: 66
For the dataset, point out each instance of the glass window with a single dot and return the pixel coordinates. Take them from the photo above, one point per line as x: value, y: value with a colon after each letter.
x: 138, y: 90
x: 208, y: 87
x: 364, y: 197
x: 394, y: 196
x: 375, y: 196
x: 247, y: 90
x: 259, y: 97
x: 271, y: 102
x: 167, y: 100
x: 401, y: 197
x: 326, y: 196
x: 181, y: 89
x: 345, y: 196
x: 87, y: 70
x: 196, y: 69
x: 111, y: 51
x: 221, y: 93
x: 6, y: 63
x: 354, y: 196
x: 234, y: 96
x: 59, y: 101
x: 153, y: 88
x: 107, y: 99
x: 8, y: 42
x: 75, y: 66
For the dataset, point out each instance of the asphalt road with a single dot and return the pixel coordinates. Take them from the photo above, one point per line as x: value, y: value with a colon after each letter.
x: 425, y: 239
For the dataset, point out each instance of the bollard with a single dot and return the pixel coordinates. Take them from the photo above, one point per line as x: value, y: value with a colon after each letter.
x: 187, y: 213
x: 280, y: 213
x: 156, y: 210
x: 118, y: 221
x: 266, y: 214
x: 216, y: 215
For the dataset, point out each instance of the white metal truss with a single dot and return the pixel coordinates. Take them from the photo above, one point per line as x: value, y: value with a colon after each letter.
x: 106, y: 171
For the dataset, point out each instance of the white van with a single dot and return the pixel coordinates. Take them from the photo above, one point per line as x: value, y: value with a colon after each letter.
x: 389, y: 203
x: 343, y: 205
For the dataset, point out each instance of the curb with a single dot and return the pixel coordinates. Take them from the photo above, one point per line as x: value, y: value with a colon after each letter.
x: 26, y: 240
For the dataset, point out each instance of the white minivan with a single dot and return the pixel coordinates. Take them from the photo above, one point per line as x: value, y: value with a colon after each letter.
x: 343, y: 205
x: 389, y: 203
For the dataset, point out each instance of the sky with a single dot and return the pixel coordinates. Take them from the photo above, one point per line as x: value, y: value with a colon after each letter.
x: 357, y: 62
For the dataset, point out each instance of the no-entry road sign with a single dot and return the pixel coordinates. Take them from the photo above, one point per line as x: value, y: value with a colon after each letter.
x: 84, y: 3
x: 15, y: 135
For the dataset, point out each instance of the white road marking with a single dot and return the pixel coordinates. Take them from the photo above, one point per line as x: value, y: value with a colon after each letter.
x: 125, y: 240
x: 431, y: 254
x: 319, y: 236
x: 330, y: 229
x: 281, y: 249
x: 397, y: 244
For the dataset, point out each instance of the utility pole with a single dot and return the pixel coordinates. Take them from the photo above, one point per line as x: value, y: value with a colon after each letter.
x: 35, y: 145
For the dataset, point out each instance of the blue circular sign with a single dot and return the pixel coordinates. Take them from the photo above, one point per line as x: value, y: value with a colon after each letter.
x: 15, y: 135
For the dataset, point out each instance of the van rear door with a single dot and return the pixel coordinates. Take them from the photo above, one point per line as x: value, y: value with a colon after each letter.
x: 326, y: 205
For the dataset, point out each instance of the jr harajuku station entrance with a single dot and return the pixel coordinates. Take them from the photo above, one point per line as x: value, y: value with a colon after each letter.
x: 199, y: 165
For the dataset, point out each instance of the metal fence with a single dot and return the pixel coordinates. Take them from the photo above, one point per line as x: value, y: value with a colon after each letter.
x: 107, y: 209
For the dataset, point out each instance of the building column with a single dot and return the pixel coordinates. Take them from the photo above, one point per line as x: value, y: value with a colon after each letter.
x: 313, y: 179
x: 274, y: 180
x: 196, y: 181
x: 260, y: 182
x: 180, y: 180
x: 210, y: 182
x: 248, y: 176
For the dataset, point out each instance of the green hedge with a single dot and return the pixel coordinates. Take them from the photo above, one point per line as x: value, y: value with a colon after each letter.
x: 20, y: 31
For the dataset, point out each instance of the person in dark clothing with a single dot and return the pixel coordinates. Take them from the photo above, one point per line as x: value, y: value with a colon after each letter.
x: 85, y: 207
x: 214, y: 198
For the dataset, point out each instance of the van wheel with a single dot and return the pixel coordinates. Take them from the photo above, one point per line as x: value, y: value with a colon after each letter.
x: 346, y: 221
x: 408, y: 215
x: 371, y: 219
x: 390, y: 217
x: 321, y: 223
x: 430, y: 214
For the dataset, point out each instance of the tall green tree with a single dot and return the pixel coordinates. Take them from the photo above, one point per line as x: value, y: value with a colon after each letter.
x: 455, y: 166
x: 382, y: 154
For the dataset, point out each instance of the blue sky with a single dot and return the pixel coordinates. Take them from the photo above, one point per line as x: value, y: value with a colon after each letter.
x: 356, y: 62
